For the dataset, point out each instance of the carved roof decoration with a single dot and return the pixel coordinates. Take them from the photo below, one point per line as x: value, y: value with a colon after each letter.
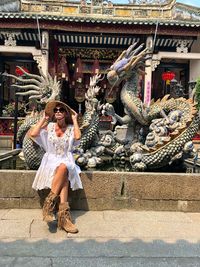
x: 90, y: 53
x: 95, y: 40
x: 137, y: 12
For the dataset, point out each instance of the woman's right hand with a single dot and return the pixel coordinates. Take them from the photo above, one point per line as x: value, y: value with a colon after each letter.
x: 45, y: 117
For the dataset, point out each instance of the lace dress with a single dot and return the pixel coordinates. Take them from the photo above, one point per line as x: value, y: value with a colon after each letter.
x: 58, y: 150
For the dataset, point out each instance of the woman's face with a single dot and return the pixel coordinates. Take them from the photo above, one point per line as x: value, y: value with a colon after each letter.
x: 59, y: 112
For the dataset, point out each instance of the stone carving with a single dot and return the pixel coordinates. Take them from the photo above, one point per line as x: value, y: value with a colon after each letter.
x: 182, y: 46
x: 40, y: 88
x: 155, y: 64
x: 10, y: 38
x: 162, y: 9
x: 166, y: 126
x: 146, y: 137
x: 38, y: 59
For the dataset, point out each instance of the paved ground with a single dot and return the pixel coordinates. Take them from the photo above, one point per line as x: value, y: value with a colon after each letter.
x: 105, y: 238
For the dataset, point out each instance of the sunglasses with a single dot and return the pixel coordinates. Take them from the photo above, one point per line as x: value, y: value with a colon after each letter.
x: 61, y: 110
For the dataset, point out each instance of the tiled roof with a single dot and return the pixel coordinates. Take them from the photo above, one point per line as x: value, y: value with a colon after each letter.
x: 108, y: 20
x: 170, y: 14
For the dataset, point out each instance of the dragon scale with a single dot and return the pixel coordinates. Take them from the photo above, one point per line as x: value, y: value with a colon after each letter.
x: 32, y: 152
x: 171, y: 123
x: 162, y: 156
x: 89, y: 133
x: 130, y: 99
x: 190, y: 123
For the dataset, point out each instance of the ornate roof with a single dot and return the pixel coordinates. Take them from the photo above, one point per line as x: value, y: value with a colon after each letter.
x: 178, y: 23
x: 137, y: 12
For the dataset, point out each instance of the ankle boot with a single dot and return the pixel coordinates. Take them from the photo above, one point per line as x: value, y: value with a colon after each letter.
x: 65, y: 220
x: 50, y: 207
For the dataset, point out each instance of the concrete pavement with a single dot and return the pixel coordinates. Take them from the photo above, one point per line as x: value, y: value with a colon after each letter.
x: 105, y: 238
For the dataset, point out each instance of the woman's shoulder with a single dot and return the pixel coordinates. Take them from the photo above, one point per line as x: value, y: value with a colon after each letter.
x: 50, y: 126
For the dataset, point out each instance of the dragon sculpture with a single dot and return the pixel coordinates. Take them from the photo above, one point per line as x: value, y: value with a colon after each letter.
x: 40, y: 89
x: 94, y: 145
x: 90, y: 123
x: 160, y: 133
x: 167, y: 126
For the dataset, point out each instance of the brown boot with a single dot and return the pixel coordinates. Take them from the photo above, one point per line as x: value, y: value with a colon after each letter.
x: 65, y: 220
x: 49, y: 207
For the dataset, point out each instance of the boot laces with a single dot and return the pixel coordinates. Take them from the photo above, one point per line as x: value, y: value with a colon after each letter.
x: 65, y: 214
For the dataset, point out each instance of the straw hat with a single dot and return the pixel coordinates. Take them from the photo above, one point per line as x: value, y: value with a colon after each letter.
x: 52, y: 104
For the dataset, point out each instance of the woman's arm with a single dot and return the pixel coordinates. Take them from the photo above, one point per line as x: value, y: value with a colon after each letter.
x: 77, y: 132
x: 42, y: 123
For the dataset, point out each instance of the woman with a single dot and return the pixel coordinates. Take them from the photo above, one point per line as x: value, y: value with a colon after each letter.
x: 58, y: 167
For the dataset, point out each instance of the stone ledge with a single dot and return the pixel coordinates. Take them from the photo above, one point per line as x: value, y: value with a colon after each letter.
x: 109, y: 190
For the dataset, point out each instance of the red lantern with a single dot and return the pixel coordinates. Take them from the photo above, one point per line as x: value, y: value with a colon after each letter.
x: 19, y: 72
x: 168, y: 76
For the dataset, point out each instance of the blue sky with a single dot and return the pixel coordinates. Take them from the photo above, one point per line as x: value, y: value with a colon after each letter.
x: 188, y: 2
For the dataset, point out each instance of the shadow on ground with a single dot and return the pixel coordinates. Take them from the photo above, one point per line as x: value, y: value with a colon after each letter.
x: 101, y: 252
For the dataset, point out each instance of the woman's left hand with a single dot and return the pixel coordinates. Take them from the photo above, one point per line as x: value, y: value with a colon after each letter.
x: 74, y: 117
x: 77, y: 132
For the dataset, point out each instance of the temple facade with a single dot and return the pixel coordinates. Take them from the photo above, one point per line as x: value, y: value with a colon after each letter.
x: 76, y: 39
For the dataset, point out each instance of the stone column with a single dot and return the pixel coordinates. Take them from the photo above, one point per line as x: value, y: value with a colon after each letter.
x: 43, y: 59
x: 45, y: 51
x: 148, y: 76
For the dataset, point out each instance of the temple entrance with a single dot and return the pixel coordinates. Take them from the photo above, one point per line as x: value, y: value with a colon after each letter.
x: 172, y: 78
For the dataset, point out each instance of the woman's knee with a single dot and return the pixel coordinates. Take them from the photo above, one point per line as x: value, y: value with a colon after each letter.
x: 66, y: 183
x: 62, y: 168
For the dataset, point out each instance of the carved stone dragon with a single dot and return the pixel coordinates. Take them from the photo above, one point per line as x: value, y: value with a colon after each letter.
x: 172, y: 122
x: 90, y: 123
x: 40, y: 89
x: 165, y: 130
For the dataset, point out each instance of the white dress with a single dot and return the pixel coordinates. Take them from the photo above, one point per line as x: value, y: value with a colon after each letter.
x: 58, y: 150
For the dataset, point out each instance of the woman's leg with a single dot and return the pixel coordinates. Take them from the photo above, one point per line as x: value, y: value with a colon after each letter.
x: 64, y: 192
x: 59, y: 180
x: 64, y: 216
x: 59, y: 185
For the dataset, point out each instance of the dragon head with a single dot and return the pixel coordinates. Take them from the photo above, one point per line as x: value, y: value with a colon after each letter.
x: 129, y: 60
x: 38, y: 87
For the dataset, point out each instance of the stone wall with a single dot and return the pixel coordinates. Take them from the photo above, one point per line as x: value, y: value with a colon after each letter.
x: 110, y: 190
x: 6, y: 142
